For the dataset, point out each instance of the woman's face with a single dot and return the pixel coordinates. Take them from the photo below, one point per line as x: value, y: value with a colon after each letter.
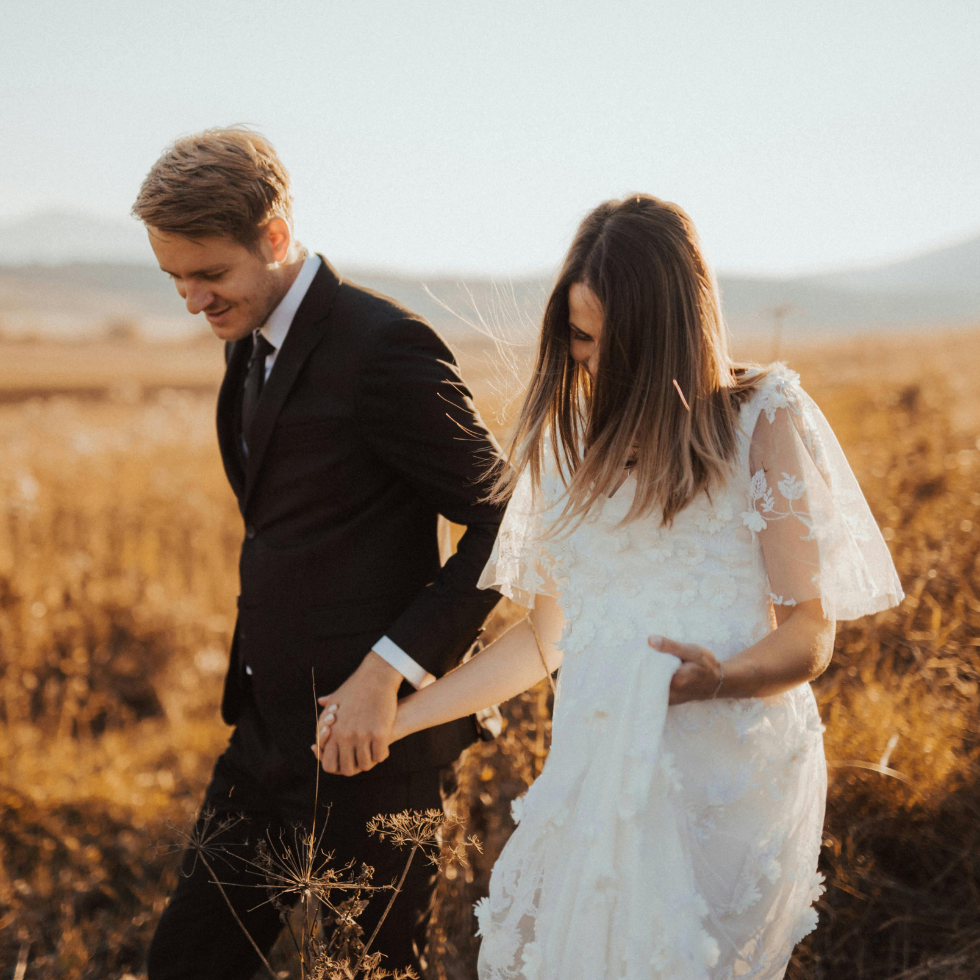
x: 585, y: 325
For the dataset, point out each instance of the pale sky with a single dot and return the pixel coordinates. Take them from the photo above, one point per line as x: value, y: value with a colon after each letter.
x: 471, y: 137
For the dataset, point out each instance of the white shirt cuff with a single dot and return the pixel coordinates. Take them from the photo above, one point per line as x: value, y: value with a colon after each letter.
x: 393, y: 654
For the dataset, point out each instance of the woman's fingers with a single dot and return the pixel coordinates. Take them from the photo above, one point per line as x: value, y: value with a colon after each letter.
x: 697, y: 677
x: 323, y: 732
x: 328, y: 717
x: 680, y: 690
x: 325, y: 723
x: 683, y: 651
x: 689, y: 683
x: 686, y: 675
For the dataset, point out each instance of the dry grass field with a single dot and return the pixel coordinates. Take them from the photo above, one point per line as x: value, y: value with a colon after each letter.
x: 118, y: 544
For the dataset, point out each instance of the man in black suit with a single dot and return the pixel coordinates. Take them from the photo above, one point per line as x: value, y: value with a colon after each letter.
x: 345, y: 430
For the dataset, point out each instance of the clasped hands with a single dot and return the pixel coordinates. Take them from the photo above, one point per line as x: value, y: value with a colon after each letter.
x: 354, y: 727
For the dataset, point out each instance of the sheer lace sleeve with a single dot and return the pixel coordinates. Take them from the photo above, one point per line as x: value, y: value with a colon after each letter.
x: 520, y: 565
x: 818, y: 536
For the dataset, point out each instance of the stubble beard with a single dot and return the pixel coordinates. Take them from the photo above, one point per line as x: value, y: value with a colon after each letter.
x: 258, y: 306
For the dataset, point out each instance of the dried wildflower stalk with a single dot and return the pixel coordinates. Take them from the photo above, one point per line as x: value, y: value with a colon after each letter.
x: 330, y: 943
x: 200, y: 842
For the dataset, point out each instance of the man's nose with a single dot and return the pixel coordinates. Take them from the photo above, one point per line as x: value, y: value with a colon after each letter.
x: 197, y: 298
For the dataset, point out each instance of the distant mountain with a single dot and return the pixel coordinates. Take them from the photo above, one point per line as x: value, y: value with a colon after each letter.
x: 941, y: 287
x: 85, y: 299
x: 956, y: 268
x: 56, y: 237
x: 69, y: 273
x: 751, y: 304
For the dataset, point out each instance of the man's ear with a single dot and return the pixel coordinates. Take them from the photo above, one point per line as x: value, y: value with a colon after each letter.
x: 278, y: 238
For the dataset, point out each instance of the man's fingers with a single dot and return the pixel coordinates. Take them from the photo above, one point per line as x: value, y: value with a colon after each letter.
x: 379, y: 750
x: 365, y: 760
x: 348, y: 762
x: 328, y: 758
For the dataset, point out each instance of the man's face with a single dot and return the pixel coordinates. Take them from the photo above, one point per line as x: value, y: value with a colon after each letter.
x: 232, y: 285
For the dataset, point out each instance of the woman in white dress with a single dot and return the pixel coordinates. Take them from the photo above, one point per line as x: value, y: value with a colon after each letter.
x: 685, y: 532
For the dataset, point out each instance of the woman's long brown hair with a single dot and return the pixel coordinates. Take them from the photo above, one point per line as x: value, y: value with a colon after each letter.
x: 662, y: 331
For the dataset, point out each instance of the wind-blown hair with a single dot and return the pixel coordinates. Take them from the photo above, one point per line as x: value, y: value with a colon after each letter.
x: 662, y: 324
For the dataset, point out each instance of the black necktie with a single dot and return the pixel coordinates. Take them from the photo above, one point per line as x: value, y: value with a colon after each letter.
x: 254, y: 381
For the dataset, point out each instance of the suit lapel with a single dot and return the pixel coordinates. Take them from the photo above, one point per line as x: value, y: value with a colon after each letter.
x: 305, y: 333
x: 237, y: 354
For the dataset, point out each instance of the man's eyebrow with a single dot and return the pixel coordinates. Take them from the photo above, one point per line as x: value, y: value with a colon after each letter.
x: 209, y: 271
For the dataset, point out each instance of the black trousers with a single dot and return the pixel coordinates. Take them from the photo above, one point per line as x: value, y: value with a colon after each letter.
x: 198, y: 938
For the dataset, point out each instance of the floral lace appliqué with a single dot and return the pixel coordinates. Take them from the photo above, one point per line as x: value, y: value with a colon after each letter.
x: 762, y: 503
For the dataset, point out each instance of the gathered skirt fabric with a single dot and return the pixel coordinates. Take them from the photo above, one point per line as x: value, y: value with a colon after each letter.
x: 661, y: 842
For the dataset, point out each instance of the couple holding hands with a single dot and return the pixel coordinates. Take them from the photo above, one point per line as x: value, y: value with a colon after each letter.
x: 684, y: 530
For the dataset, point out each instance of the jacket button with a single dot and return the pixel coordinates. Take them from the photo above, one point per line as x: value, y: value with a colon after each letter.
x: 250, y: 532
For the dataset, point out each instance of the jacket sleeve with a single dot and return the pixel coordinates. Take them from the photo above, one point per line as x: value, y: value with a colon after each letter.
x: 417, y: 414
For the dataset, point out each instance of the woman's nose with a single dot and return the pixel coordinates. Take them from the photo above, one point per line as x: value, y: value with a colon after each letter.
x: 592, y: 364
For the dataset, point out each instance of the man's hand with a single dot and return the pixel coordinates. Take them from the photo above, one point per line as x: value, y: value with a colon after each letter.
x: 364, y: 707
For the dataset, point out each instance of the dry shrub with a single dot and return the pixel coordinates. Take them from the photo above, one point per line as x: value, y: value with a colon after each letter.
x: 118, y: 543
x: 74, y: 882
x: 902, y: 693
x: 115, y: 550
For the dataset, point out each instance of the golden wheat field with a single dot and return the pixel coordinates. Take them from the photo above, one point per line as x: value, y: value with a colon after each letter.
x: 118, y: 551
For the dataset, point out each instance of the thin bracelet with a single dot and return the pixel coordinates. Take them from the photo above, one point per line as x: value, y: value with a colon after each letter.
x: 721, y: 680
x: 537, y: 643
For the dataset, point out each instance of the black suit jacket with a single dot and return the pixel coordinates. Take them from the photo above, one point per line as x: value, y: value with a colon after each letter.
x: 363, y: 435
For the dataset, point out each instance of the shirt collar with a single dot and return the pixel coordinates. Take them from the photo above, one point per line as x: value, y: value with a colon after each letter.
x: 277, y: 326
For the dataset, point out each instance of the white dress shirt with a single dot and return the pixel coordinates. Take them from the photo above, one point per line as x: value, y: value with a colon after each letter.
x: 281, y: 318
x: 274, y: 330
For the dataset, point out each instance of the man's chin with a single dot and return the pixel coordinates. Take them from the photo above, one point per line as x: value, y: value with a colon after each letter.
x: 230, y: 331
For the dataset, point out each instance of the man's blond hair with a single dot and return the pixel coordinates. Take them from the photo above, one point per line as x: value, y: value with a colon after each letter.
x: 221, y: 182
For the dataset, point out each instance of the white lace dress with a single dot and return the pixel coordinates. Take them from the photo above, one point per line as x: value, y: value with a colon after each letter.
x: 680, y: 842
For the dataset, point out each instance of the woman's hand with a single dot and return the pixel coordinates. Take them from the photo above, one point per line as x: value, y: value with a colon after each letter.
x: 699, y: 676
x: 324, y: 726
